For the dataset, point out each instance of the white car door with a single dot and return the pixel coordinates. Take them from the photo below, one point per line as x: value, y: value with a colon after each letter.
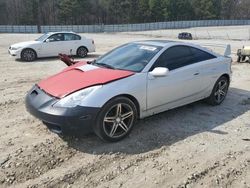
x: 53, y: 45
x: 70, y: 43
x: 183, y: 80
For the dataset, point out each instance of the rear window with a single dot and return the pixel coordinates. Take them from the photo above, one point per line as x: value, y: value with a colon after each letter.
x: 69, y: 36
x: 199, y: 55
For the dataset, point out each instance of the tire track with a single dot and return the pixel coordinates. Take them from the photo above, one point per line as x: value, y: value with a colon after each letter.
x: 223, y: 180
x: 31, y: 162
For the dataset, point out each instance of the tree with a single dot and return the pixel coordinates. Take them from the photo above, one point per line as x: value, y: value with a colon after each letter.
x: 157, y: 10
x: 203, y: 9
x: 179, y: 10
x: 52, y: 12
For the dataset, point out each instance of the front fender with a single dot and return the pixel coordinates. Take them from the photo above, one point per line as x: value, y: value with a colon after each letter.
x: 134, y: 86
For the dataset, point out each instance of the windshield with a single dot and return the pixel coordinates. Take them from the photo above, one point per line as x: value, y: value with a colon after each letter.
x: 43, y: 37
x: 132, y: 57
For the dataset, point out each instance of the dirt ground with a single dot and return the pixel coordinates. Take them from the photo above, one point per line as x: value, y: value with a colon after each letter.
x: 193, y: 146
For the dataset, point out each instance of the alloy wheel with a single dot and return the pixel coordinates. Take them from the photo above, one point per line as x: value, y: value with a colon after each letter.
x: 29, y: 55
x: 221, y: 91
x: 82, y: 52
x: 118, y: 120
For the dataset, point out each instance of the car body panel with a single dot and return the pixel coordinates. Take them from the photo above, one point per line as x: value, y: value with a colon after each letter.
x: 67, y: 82
x: 74, y: 121
x: 179, y: 83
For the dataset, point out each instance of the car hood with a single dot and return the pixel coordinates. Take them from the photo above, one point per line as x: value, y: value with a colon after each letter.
x: 80, y: 76
x: 24, y: 44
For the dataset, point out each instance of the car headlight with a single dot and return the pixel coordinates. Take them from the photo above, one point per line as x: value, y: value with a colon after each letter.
x: 15, y: 48
x: 76, y: 98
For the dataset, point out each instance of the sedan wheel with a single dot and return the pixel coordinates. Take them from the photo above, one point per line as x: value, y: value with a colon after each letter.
x: 219, y: 92
x: 82, y: 52
x: 28, y: 55
x: 116, y: 119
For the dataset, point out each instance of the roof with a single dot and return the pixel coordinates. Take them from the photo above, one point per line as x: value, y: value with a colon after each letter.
x: 161, y: 43
x: 166, y: 43
x: 61, y: 32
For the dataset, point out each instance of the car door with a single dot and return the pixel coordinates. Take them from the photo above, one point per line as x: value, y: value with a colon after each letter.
x: 183, y: 80
x: 71, y: 43
x: 208, y: 66
x: 53, y: 45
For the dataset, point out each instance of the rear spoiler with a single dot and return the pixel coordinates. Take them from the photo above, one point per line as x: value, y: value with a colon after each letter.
x: 226, y: 47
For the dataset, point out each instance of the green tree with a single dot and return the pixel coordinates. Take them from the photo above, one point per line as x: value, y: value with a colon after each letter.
x: 157, y: 10
x: 179, y: 10
x: 203, y: 9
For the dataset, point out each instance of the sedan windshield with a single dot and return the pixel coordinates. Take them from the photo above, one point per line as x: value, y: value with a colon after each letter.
x: 132, y: 57
x: 43, y: 37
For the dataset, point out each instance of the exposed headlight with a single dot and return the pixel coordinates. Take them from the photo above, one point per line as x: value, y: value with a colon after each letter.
x: 76, y: 98
x: 15, y: 48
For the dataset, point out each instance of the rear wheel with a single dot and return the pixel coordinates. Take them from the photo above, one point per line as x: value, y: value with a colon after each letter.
x: 28, y: 55
x: 82, y: 52
x: 116, y: 119
x: 219, y: 92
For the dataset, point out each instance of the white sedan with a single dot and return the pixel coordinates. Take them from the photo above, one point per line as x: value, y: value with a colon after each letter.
x: 51, y: 44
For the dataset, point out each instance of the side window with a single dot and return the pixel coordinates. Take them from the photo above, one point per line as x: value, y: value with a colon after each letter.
x: 175, y: 57
x: 69, y: 37
x: 199, y: 55
x: 56, y: 37
x: 77, y: 37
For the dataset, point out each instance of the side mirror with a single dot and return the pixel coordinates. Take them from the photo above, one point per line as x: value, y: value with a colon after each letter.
x: 159, y: 72
x: 47, y: 40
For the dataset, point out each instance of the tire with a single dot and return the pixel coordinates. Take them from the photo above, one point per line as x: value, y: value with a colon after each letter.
x: 238, y: 59
x: 28, y: 55
x: 219, y: 92
x: 243, y: 58
x: 116, y: 119
x: 82, y: 52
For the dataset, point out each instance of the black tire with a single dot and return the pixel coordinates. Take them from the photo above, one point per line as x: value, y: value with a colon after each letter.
x: 82, y: 52
x: 110, y: 125
x: 238, y: 59
x: 28, y: 55
x: 243, y: 58
x: 219, y: 92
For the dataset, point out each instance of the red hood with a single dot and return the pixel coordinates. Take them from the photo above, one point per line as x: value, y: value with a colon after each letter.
x: 78, y: 77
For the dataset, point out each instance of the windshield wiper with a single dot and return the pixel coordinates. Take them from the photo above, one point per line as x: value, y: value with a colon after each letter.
x: 105, y: 65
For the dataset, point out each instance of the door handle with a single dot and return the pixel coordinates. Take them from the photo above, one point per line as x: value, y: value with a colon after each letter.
x: 196, y: 74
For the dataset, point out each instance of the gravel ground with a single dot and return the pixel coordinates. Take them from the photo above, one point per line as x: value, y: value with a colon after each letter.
x: 193, y: 146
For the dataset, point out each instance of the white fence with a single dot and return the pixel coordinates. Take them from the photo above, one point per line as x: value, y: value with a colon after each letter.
x: 120, y: 27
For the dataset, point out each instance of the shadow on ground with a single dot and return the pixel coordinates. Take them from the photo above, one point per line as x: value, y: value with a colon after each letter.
x: 172, y: 126
x: 48, y: 59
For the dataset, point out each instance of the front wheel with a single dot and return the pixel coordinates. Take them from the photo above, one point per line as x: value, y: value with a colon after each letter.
x: 116, y: 119
x: 219, y: 92
x: 28, y: 55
